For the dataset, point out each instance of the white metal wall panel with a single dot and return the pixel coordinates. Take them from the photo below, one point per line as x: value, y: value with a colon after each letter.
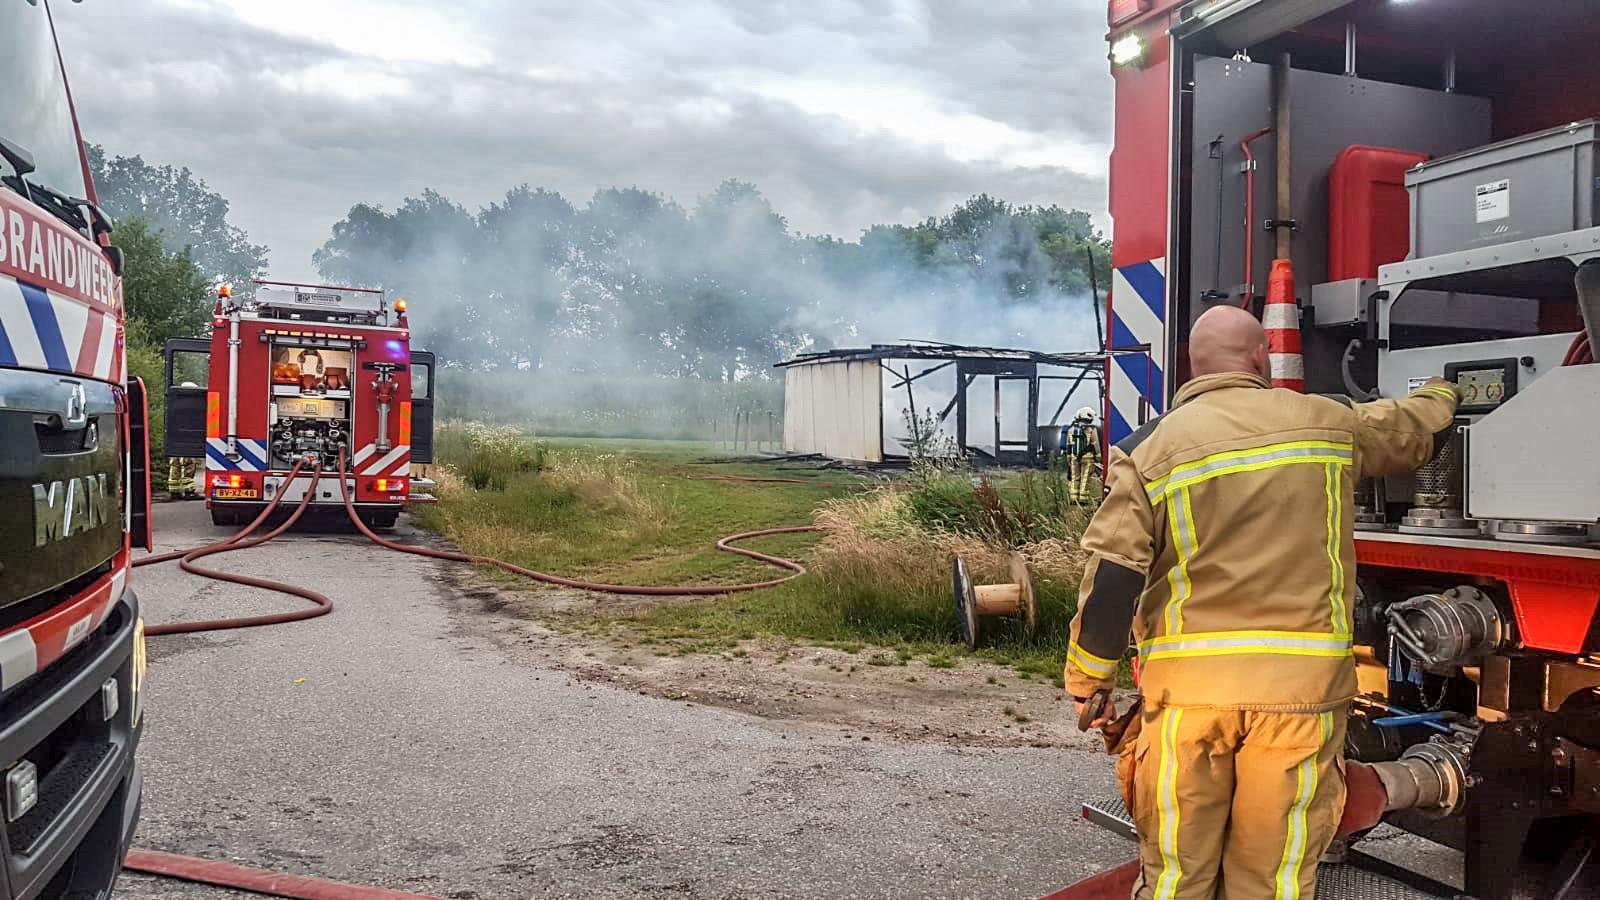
x: 869, y: 411
x: 834, y: 409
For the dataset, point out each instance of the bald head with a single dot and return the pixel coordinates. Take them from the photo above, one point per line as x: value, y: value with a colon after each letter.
x: 1228, y: 339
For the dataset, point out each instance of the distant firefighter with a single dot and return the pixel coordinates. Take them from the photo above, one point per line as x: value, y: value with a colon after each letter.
x: 180, y: 477
x: 1080, y: 444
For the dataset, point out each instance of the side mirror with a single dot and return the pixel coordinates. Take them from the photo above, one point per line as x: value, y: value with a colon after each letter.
x: 20, y: 159
x: 114, y: 256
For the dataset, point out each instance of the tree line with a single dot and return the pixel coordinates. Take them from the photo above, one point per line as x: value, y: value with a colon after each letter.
x: 632, y: 283
x: 629, y: 282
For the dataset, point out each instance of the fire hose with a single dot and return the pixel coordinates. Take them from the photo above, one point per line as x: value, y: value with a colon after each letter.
x: 261, y: 881
x: 698, y: 590
x: 321, y: 604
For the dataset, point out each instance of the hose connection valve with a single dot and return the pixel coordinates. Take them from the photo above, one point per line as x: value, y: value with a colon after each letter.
x: 1444, y: 632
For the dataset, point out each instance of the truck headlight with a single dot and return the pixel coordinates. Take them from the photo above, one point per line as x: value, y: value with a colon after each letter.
x: 140, y: 663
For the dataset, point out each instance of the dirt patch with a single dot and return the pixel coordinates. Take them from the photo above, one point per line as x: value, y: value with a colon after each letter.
x: 872, y: 691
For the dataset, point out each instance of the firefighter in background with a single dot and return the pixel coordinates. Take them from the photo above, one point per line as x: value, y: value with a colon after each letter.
x: 181, y: 472
x: 1080, y: 444
x: 1226, y: 541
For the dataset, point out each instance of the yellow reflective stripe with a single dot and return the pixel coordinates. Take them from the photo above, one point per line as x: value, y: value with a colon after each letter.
x: 1287, y: 881
x: 1335, y: 491
x: 1167, y: 807
x: 1091, y: 665
x: 1180, y: 516
x: 1254, y: 459
x: 1230, y: 643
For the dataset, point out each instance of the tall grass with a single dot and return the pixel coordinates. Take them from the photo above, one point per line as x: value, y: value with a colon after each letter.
x: 486, y: 458
x: 882, y: 575
x: 1014, y: 510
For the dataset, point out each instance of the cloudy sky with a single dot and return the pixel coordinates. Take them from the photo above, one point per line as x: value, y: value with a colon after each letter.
x: 845, y: 112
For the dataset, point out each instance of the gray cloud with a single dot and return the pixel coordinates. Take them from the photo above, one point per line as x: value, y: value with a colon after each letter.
x: 844, y: 113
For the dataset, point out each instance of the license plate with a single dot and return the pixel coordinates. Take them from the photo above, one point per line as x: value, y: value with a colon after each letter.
x: 236, y: 494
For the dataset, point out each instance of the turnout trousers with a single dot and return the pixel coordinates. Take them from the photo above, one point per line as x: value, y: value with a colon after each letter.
x: 1235, y: 804
x: 1081, y: 470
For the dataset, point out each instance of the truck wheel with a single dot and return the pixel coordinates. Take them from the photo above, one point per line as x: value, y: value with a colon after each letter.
x: 383, y: 519
x: 225, y: 516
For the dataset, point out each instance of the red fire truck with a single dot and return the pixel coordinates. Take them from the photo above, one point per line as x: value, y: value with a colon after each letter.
x: 73, y: 496
x: 310, y: 373
x: 1426, y: 172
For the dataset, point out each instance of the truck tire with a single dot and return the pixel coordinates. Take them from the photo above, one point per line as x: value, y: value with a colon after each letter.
x: 384, y: 518
x: 225, y: 516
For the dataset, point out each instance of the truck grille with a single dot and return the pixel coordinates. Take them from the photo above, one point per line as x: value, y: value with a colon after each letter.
x: 68, y: 757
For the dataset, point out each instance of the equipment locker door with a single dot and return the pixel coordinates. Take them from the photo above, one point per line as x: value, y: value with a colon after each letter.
x: 421, y: 406
x: 139, y: 463
x: 188, y: 369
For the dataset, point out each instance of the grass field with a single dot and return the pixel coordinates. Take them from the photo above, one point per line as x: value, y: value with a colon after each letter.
x: 650, y: 512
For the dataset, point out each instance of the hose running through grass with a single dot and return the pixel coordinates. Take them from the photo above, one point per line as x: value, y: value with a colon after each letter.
x: 696, y: 590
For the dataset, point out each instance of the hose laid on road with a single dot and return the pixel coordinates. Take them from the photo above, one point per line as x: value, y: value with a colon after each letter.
x: 237, y: 537
x: 321, y: 604
x: 260, y: 881
x: 695, y: 590
x: 205, y: 871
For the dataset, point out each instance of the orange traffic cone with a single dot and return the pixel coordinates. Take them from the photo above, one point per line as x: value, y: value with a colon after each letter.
x: 1281, y: 318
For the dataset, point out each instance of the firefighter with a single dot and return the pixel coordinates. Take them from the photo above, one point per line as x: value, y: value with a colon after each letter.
x: 181, y: 471
x: 1226, y: 541
x: 1080, y: 443
x: 180, y: 478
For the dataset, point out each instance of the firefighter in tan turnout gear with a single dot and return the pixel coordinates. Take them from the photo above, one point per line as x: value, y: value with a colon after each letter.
x: 1226, y: 542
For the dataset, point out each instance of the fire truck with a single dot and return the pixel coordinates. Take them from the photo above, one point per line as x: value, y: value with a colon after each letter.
x: 1404, y: 189
x: 316, y: 374
x: 74, y: 495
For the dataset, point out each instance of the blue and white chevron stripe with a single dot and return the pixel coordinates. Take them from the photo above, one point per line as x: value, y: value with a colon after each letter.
x: 252, y: 455
x: 41, y: 329
x: 1138, y: 318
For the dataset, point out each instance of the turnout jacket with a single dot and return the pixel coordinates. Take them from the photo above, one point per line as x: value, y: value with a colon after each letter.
x: 1226, y: 540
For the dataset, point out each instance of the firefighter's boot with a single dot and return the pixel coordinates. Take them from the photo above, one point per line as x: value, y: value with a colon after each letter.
x: 1234, y: 804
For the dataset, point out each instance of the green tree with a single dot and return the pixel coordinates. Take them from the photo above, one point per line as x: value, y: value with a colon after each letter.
x: 167, y: 295
x: 183, y: 210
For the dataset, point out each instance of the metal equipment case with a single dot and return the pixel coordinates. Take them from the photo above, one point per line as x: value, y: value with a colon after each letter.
x: 1526, y: 187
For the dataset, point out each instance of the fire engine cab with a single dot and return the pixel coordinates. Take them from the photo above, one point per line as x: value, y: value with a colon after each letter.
x: 310, y: 374
x: 1403, y: 189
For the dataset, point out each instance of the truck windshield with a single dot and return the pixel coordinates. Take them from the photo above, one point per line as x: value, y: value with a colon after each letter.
x: 34, y: 112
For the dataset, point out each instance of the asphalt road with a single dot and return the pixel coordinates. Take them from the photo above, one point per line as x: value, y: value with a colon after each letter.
x: 393, y: 743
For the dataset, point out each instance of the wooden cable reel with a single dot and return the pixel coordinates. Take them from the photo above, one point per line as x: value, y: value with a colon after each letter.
x: 974, y: 603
